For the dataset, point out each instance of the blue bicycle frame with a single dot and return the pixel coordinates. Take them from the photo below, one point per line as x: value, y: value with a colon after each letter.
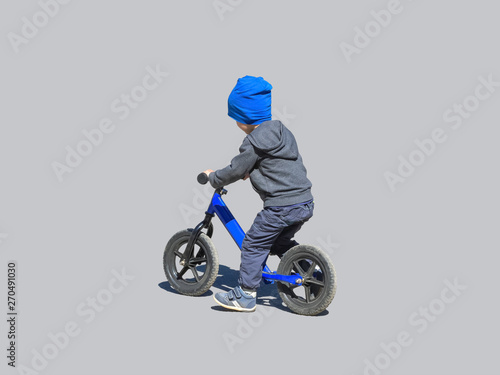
x: 219, y: 208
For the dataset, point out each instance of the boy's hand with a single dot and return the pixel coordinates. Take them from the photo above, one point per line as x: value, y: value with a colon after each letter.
x: 246, y: 176
x: 208, y: 171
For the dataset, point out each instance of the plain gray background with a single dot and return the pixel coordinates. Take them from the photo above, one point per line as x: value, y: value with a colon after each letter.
x: 393, y: 250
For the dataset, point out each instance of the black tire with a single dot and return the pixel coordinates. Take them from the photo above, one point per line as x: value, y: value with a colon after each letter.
x: 199, y: 274
x: 320, y: 280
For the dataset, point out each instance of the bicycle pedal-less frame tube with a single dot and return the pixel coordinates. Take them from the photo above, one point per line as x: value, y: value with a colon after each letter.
x: 218, y: 207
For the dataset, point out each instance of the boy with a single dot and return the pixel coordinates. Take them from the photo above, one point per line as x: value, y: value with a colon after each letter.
x: 270, y: 157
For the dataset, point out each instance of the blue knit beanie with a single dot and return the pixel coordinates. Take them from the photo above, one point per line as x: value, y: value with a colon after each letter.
x: 250, y: 101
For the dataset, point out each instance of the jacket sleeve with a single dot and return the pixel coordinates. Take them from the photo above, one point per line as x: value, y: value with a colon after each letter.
x: 240, y: 165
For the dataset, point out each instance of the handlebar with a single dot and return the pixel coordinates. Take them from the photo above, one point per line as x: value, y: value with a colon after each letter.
x: 202, y: 178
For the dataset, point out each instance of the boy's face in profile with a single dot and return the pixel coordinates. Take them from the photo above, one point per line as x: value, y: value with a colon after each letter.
x: 246, y: 128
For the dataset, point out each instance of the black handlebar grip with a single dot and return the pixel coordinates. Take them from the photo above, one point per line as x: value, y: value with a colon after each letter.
x: 202, y: 178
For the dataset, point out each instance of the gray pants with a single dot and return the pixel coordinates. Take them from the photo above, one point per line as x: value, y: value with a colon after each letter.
x: 272, y: 232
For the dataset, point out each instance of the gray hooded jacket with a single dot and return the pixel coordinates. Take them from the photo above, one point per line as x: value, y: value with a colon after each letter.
x: 269, y: 154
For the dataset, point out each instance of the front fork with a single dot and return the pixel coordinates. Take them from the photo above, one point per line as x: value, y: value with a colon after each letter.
x: 206, y: 223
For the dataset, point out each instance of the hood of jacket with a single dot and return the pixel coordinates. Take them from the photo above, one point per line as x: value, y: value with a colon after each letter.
x: 274, y: 139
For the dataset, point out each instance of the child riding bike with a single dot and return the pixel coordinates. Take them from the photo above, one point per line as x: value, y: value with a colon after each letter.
x: 269, y: 156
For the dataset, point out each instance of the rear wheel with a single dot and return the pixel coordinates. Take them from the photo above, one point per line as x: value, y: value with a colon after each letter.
x: 319, y: 280
x: 196, y: 275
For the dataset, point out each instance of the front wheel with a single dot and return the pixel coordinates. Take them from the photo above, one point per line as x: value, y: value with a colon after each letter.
x: 195, y: 276
x: 319, y: 280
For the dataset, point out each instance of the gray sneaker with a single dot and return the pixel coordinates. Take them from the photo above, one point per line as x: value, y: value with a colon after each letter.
x: 236, y: 299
